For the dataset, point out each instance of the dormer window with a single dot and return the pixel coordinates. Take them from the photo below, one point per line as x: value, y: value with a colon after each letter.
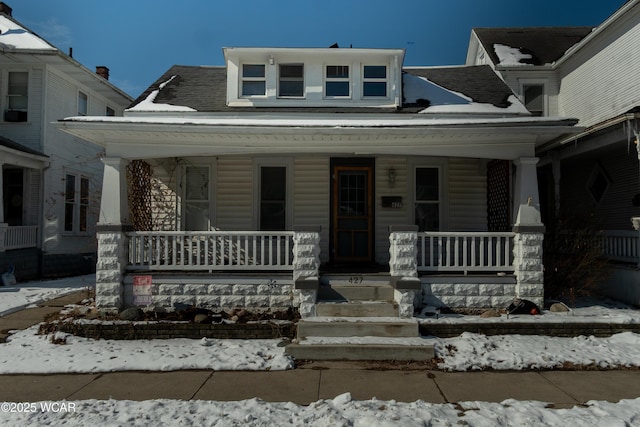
x: 337, y: 84
x: 374, y: 82
x: 534, y: 99
x: 291, y: 81
x: 254, y: 81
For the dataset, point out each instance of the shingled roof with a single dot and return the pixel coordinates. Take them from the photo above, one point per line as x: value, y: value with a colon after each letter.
x: 545, y: 44
x: 204, y: 89
x: 6, y: 142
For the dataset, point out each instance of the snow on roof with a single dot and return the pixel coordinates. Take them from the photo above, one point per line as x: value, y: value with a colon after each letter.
x: 14, y: 36
x: 149, y: 105
x: 510, y: 56
x: 444, y: 101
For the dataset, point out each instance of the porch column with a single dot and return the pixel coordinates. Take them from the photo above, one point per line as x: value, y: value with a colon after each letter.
x: 526, y: 185
x: 403, y: 267
x: 527, y: 254
x: 110, y: 230
x: 306, y: 266
x: 3, y: 226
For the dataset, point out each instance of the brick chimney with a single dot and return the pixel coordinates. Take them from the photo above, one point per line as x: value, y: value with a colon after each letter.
x: 5, y: 9
x: 102, y: 71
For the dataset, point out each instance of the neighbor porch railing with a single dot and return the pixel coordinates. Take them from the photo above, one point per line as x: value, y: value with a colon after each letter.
x: 465, y: 251
x: 20, y: 237
x: 210, y: 250
x: 621, y: 245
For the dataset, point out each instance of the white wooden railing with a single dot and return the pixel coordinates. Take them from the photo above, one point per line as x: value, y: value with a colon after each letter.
x: 465, y: 251
x: 210, y: 250
x: 621, y: 245
x: 22, y: 236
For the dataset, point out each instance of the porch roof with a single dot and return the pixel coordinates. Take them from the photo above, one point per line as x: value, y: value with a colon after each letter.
x: 17, y: 154
x: 224, y: 134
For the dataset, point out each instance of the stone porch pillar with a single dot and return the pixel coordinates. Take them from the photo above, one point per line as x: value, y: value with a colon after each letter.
x: 403, y: 267
x: 306, y: 267
x: 110, y: 231
x: 527, y: 254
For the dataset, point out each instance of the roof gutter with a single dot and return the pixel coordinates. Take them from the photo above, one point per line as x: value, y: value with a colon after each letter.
x: 590, y: 130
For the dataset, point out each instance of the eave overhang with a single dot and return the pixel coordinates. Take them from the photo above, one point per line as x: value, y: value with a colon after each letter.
x: 414, y: 135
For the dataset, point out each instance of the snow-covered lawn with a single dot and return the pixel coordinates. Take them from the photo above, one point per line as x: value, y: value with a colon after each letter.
x: 17, y: 297
x: 340, y: 411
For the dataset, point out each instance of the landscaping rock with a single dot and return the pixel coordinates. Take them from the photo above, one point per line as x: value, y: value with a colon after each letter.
x: 559, y: 307
x: 201, y: 318
x: 490, y: 313
x: 132, y: 313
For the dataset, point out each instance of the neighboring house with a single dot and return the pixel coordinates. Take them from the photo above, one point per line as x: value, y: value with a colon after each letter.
x: 258, y: 183
x: 51, y: 181
x: 591, y: 74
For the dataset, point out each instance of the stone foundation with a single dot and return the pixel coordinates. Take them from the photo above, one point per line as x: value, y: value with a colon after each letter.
x: 468, y: 291
x: 218, y: 293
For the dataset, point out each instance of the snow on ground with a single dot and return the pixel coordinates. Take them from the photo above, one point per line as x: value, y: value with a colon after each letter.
x: 17, y: 297
x: 340, y: 411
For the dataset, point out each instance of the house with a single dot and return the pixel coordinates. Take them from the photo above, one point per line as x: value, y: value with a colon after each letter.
x: 590, y: 74
x: 51, y: 181
x: 261, y: 183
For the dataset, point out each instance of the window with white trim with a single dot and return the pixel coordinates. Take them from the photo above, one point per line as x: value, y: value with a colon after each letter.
x: 374, y: 81
x: 427, y: 198
x: 76, y: 203
x: 110, y: 112
x: 254, y: 82
x: 273, y: 198
x: 337, y: 83
x: 291, y: 81
x: 196, y: 198
x: 17, y: 103
x: 533, y: 98
x: 83, y: 103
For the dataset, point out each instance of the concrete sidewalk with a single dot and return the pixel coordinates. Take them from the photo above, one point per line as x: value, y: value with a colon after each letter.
x: 313, y: 381
x: 327, y: 380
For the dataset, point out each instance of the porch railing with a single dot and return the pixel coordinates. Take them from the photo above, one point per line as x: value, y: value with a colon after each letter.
x: 21, y: 236
x: 621, y: 245
x: 210, y: 250
x: 465, y: 251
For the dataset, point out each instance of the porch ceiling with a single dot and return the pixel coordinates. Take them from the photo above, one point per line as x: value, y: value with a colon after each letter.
x: 488, y: 138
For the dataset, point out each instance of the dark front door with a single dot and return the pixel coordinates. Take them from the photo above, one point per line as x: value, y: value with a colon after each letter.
x: 352, y: 216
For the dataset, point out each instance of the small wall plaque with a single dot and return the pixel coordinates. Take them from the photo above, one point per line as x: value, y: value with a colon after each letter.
x: 394, y: 202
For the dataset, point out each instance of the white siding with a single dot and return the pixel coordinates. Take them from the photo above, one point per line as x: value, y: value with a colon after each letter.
x: 390, y: 216
x: 311, y: 194
x: 467, y: 193
x: 27, y: 134
x: 234, y: 195
x: 603, y: 80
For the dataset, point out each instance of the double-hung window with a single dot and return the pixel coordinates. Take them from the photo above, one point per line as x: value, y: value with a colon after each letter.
x: 83, y: 104
x: 374, y: 81
x: 273, y: 198
x: 291, y: 81
x: 76, y: 203
x: 254, y: 81
x: 427, y: 198
x: 337, y: 84
x: 17, y: 96
x: 197, y: 205
x: 533, y: 95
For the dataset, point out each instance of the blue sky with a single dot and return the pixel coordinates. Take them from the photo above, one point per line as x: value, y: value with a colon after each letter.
x: 140, y: 39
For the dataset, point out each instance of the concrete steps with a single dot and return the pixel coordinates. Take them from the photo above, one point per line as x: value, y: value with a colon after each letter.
x: 357, y: 319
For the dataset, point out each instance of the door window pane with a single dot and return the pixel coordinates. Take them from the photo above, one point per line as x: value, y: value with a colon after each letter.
x: 273, y: 194
x: 196, y: 203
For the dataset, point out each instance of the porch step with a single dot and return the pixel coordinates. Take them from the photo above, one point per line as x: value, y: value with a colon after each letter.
x: 361, y: 351
x: 356, y: 309
x: 350, y: 327
x: 338, y: 292
x: 322, y: 338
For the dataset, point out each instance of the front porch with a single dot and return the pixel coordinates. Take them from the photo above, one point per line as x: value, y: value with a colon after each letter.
x: 277, y: 270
